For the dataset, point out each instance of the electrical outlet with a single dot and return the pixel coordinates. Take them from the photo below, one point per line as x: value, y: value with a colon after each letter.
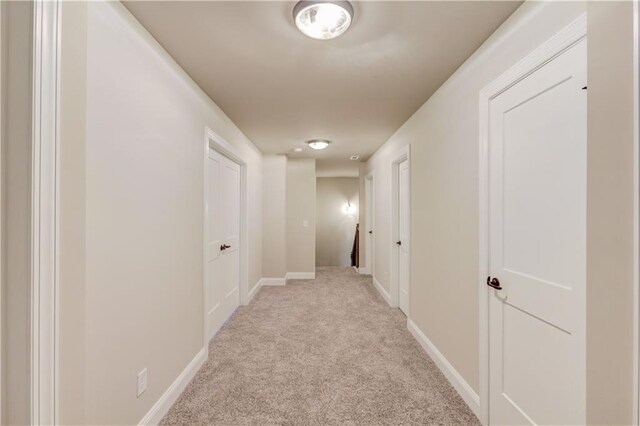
x: 142, y: 382
x: 305, y: 223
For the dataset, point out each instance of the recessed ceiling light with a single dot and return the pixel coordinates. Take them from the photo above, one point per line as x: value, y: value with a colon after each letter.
x: 323, y: 20
x: 297, y: 149
x: 318, y: 143
x: 354, y: 157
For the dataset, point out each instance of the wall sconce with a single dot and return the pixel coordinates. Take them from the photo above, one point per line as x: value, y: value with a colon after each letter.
x: 349, y: 209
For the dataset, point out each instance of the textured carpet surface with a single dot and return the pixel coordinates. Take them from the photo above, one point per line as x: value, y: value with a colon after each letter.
x: 324, y: 352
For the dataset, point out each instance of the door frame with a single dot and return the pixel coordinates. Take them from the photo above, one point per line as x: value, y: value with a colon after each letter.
x: 636, y: 213
x: 402, y: 154
x: 369, y: 197
x: 216, y: 142
x: 2, y: 243
x: 45, y: 218
x: 555, y: 46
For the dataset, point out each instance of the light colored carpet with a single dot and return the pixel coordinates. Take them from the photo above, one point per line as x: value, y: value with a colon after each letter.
x: 323, y: 352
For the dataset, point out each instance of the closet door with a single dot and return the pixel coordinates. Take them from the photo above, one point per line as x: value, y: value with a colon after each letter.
x: 537, y: 248
x: 223, y: 231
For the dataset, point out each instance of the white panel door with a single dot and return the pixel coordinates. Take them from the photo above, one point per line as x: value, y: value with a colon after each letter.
x: 223, y: 229
x: 537, y: 246
x: 403, y: 234
x: 370, y: 254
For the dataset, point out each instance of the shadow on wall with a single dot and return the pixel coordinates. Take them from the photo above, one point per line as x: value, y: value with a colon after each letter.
x: 337, y: 213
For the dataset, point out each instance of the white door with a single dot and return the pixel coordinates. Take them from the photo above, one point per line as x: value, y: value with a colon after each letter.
x: 537, y: 245
x: 370, y: 224
x: 403, y: 236
x: 223, y: 229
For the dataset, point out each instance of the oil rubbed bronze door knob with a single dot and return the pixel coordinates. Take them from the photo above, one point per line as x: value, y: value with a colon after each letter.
x: 494, y: 283
x: 399, y: 242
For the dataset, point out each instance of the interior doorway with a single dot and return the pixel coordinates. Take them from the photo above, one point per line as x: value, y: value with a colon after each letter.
x: 222, y: 290
x: 337, y: 218
x: 225, y: 224
x: 534, y: 237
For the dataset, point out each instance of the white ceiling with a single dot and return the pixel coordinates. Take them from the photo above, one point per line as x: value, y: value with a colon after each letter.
x: 282, y: 88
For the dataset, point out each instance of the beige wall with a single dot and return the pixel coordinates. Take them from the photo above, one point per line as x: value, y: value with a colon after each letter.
x: 16, y: 205
x: 444, y: 137
x: 72, y: 212
x: 335, y: 229
x: 301, y: 206
x: 143, y: 208
x: 610, y: 213
x: 274, y: 216
x: 337, y: 168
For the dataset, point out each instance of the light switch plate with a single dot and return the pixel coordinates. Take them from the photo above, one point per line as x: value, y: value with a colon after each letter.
x: 305, y: 223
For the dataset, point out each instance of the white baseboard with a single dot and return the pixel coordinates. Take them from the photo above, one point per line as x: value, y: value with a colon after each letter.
x: 300, y: 276
x: 356, y: 269
x: 169, y: 397
x: 363, y: 270
x: 457, y: 381
x: 273, y: 281
x: 265, y: 281
x: 382, y: 291
x: 254, y: 290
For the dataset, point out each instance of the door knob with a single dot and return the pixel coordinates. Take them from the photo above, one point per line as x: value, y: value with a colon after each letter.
x: 399, y: 242
x: 494, y: 283
x: 371, y: 232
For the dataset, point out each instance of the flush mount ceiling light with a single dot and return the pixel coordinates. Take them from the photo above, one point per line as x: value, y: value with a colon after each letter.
x: 323, y: 20
x: 354, y: 157
x: 318, y: 143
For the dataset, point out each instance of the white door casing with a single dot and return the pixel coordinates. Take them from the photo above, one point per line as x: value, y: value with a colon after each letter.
x: 636, y: 213
x: 403, y: 242
x: 536, y: 151
x: 222, y: 282
x: 45, y: 218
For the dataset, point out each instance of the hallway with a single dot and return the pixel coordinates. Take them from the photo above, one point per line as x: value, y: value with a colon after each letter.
x: 316, y: 212
x: 325, y: 351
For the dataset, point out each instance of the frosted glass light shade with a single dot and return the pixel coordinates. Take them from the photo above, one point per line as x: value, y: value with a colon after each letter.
x: 318, y: 143
x: 323, y: 20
